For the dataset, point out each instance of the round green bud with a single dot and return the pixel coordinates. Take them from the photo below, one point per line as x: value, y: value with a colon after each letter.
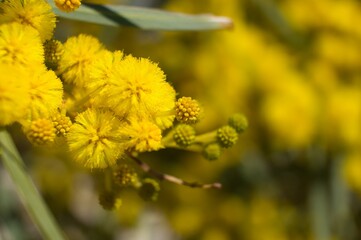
x: 53, y: 50
x: 107, y: 200
x: 212, y: 151
x: 227, y: 136
x: 124, y: 175
x: 184, y: 135
x: 149, y: 190
x: 239, y: 122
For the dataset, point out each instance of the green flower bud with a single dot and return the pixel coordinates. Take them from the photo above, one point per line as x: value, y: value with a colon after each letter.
x: 108, y: 200
x: 227, y: 136
x: 149, y: 190
x: 184, y: 135
x: 238, y: 122
x: 53, y: 49
x: 212, y: 151
x: 124, y: 175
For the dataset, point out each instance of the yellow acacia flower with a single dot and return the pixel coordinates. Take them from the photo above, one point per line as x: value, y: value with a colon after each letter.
x: 144, y: 136
x: 77, y: 100
x: 138, y: 88
x: 20, y: 45
x: 68, y: 5
x: 102, y: 69
x: 14, y: 94
x: 93, y: 139
x: 79, y: 53
x: 46, y: 92
x: 34, y: 13
x: 163, y: 115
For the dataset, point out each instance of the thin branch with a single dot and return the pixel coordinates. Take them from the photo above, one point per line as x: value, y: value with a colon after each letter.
x: 162, y: 176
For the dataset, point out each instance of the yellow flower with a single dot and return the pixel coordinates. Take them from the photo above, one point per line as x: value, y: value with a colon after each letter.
x: 46, y: 92
x: 138, y: 88
x: 20, y: 45
x: 102, y: 69
x: 94, y: 140
x: 79, y: 53
x: 77, y: 100
x: 144, y: 135
x: 14, y: 94
x: 34, y: 13
x: 68, y: 5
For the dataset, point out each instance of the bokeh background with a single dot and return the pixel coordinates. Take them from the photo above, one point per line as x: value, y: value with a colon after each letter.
x: 293, y: 68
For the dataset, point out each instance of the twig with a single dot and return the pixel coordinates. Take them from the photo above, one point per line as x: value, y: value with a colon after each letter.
x: 162, y: 176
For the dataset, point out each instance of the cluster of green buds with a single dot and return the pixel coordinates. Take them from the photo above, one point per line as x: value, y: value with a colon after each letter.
x: 122, y: 177
x: 211, y: 144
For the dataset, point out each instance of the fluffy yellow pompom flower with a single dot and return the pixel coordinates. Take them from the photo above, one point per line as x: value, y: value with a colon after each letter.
x: 67, y: 5
x: 93, y: 139
x: 20, y: 44
x: 102, y: 69
x: 162, y: 113
x: 144, y: 136
x: 138, y: 88
x: 79, y: 53
x: 34, y: 13
x: 46, y: 92
x: 14, y: 94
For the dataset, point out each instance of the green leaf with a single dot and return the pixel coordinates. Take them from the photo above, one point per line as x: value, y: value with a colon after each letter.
x: 144, y: 18
x: 31, y: 198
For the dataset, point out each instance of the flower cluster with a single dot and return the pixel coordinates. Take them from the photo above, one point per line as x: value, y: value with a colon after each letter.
x: 29, y: 93
x: 106, y: 104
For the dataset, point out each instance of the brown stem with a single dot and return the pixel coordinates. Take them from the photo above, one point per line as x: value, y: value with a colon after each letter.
x: 162, y: 176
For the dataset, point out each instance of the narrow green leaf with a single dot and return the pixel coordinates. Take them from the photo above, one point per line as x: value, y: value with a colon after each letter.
x: 144, y: 18
x: 32, y: 200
